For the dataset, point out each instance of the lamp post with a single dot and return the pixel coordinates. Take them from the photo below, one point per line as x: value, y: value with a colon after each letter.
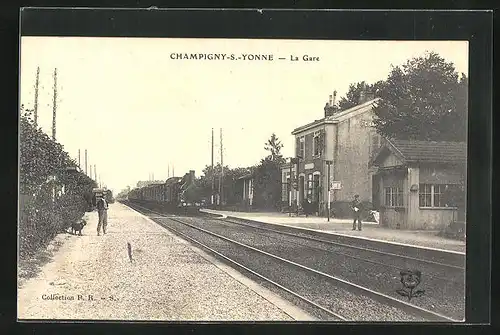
x: 328, y: 164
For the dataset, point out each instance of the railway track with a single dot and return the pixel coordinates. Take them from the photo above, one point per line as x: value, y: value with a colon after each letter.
x: 455, y: 265
x: 331, y: 297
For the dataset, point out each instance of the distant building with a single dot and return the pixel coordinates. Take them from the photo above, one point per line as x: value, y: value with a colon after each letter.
x: 346, y: 138
x: 246, y: 185
x: 420, y: 184
x: 141, y: 184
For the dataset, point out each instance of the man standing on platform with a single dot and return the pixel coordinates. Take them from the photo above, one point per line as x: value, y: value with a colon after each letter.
x: 356, y: 208
x: 102, y: 210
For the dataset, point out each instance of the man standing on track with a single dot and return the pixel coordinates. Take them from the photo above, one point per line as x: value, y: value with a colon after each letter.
x: 356, y: 208
x: 102, y: 210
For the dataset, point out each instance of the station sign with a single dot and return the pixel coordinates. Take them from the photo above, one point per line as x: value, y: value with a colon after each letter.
x: 309, y: 166
x: 335, y: 185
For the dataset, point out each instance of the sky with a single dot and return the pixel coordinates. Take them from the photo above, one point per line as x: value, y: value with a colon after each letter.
x: 138, y: 112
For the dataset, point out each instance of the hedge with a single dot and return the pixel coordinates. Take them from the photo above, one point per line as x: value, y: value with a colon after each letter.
x: 53, y: 193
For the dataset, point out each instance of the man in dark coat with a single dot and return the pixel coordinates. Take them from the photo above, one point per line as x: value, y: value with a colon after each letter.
x: 102, y: 211
x: 356, y: 209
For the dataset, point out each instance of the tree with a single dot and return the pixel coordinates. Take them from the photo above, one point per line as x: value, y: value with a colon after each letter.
x: 353, y: 94
x: 425, y: 99
x: 268, y: 175
x: 231, y: 194
x: 274, y: 146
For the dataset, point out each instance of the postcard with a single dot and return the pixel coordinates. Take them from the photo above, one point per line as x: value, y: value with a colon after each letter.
x: 211, y: 179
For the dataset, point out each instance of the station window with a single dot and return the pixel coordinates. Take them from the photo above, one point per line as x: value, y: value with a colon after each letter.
x: 436, y: 195
x: 394, y: 196
x: 301, y: 152
x: 317, y: 144
x: 310, y: 186
x: 316, y: 187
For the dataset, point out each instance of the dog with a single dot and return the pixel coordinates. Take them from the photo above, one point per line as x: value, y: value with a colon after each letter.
x: 78, y: 226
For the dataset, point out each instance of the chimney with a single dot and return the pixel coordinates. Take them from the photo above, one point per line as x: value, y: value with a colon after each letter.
x: 191, y: 176
x: 330, y: 107
x: 328, y: 110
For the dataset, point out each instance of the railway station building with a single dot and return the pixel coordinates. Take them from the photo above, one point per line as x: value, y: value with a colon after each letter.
x: 246, y: 185
x: 420, y: 184
x: 341, y: 144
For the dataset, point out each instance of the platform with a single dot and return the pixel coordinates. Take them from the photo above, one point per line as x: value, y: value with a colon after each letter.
x: 371, y: 230
x: 92, y: 278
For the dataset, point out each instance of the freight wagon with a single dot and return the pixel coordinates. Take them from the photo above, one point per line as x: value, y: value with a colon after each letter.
x: 173, y: 195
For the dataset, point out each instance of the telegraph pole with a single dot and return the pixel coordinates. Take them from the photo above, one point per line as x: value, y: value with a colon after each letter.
x: 221, y: 181
x: 36, y: 96
x: 54, y: 106
x: 79, y: 159
x: 95, y: 172
x: 91, y: 175
x: 290, y: 188
x: 213, y: 172
x: 86, y: 162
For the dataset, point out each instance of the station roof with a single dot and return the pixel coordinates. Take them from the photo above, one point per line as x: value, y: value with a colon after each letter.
x: 247, y: 176
x: 339, y: 116
x: 410, y: 151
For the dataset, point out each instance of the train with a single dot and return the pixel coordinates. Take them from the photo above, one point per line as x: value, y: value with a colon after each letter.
x: 175, y: 194
x: 98, y: 193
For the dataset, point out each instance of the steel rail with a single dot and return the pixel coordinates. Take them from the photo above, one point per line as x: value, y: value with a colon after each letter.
x: 352, y: 247
x: 344, y: 245
x: 380, y: 297
x: 177, y: 232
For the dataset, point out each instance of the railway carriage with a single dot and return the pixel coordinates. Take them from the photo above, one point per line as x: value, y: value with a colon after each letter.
x: 99, y: 193
x: 175, y: 194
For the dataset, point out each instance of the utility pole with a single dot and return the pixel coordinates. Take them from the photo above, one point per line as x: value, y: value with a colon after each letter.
x: 290, y: 188
x: 54, y: 106
x: 91, y: 175
x: 86, y: 161
x: 221, y: 181
x: 213, y: 172
x: 79, y: 159
x: 36, y: 96
x: 95, y: 172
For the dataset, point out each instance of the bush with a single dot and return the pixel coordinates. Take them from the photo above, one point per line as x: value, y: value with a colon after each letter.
x: 53, y: 193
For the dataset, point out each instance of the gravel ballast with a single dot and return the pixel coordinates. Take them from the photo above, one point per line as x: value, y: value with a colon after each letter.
x: 442, y: 295
x: 92, y: 278
x: 314, y: 287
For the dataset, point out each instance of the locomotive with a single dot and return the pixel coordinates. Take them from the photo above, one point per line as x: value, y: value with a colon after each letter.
x: 175, y: 194
x: 98, y: 193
